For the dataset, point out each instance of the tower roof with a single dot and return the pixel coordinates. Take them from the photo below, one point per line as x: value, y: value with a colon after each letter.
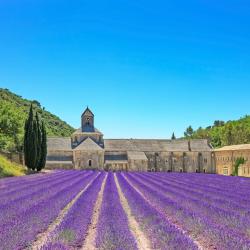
x: 88, y: 111
x: 89, y: 145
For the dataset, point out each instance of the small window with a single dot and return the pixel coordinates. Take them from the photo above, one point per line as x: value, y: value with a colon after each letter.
x: 225, y: 171
x: 90, y: 163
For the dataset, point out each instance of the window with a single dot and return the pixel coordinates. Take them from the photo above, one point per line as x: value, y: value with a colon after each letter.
x: 225, y: 171
x: 90, y: 163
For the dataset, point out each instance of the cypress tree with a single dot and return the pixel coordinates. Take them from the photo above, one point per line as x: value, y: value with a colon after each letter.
x: 30, y: 141
x: 43, y: 156
x: 173, y: 136
x: 39, y: 141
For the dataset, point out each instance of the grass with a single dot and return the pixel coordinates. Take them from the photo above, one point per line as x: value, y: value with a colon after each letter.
x: 8, y: 168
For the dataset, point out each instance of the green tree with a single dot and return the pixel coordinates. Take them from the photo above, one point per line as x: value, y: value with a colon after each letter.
x: 173, y: 137
x: 10, y: 127
x: 30, y: 141
x: 39, y: 139
x: 189, y: 132
x: 35, y: 142
x: 239, y: 161
x: 43, y: 152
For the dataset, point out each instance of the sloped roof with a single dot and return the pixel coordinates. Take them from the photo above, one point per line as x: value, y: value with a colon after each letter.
x: 148, y: 145
x: 87, y: 110
x: 137, y: 155
x: 79, y: 130
x: 118, y: 145
x: 151, y: 145
x: 89, y: 145
x: 234, y: 147
x: 200, y: 145
x: 58, y: 143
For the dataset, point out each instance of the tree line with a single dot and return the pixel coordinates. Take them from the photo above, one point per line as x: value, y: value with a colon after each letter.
x: 223, y: 133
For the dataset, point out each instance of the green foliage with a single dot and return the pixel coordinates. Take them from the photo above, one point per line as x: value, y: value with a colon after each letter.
x: 223, y: 133
x: 173, y: 137
x: 8, y: 168
x: 14, y: 111
x: 189, y: 132
x: 43, y: 148
x: 237, y: 163
x: 35, y: 142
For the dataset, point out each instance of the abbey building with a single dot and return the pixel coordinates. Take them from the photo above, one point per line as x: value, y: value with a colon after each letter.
x: 87, y: 149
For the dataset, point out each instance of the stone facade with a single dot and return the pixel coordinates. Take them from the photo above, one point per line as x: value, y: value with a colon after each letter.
x: 226, y: 157
x: 86, y: 149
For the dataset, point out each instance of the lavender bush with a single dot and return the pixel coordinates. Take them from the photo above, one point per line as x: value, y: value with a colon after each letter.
x: 112, y: 229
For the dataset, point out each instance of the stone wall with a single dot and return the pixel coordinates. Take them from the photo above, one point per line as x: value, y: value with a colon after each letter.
x: 60, y: 155
x: 137, y: 165
x: 89, y: 159
x: 180, y: 161
x: 225, y: 161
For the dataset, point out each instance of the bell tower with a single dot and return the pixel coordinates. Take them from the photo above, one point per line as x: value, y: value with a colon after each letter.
x: 87, y: 121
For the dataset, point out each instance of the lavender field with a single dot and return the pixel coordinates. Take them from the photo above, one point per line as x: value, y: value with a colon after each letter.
x: 100, y: 210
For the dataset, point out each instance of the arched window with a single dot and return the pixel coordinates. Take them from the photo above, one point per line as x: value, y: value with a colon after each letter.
x: 90, y: 163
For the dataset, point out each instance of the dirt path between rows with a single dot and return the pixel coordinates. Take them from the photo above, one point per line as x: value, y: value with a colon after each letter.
x: 198, y: 244
x: 89, y: 242
x: 42, y: 238
x: 141, y: 240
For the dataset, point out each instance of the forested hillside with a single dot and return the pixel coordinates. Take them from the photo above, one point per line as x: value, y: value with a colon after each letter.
x: 13, y: 113
x: 223, y: 133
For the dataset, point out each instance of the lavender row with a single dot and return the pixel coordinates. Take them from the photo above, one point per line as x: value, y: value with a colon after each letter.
x: 237, y: 206
x: 19, y: 233
x: 227, y: 220
x: 214, y: 182
x: 112, y: 230
x: 13, y: 209
x: 31, y: 192
x: 202, y: 187
x: 191, y: 217
x: 71, y: 232
x: 161, y: 233
x: 238, y: 221
x: 20, y: 185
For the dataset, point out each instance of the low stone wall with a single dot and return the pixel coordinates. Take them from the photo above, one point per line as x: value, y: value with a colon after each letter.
x: 59, y: 165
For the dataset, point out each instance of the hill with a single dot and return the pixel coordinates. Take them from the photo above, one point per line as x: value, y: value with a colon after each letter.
x: 223, y: 133
x: 13, y: 113
x: 8, y: 168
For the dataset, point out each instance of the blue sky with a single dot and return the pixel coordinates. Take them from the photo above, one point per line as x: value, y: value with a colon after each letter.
x: 145, y: 68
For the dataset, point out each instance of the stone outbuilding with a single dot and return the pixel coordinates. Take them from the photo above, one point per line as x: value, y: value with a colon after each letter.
x: 226, y: 158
